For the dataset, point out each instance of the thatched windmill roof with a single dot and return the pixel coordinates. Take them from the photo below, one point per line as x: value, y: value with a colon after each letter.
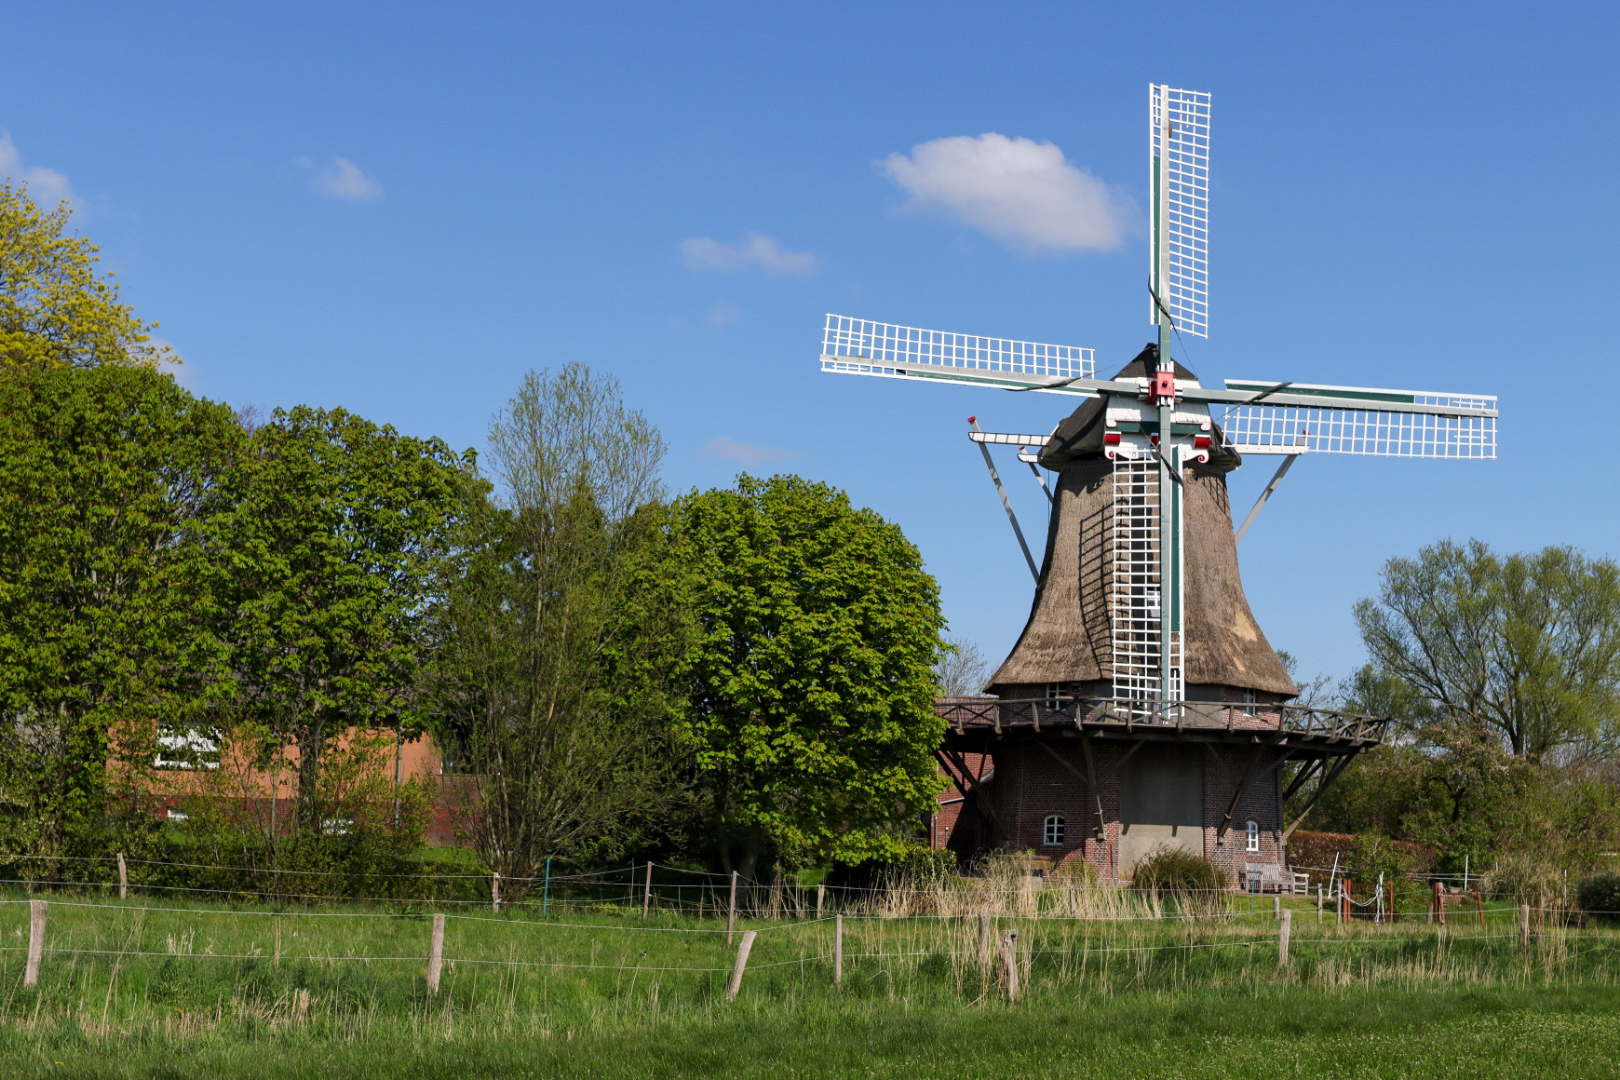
x: 1068, y: 636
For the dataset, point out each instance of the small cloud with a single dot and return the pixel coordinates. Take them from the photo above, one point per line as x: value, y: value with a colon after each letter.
x: 750, y: 457
x: 757, y: 250
x: 723, y: 314
x: 342, y: 179
x: 1022, y: 192
x: 46, y: 186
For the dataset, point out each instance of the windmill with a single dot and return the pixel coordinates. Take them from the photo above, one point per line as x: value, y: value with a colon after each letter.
x: 1145, y: 450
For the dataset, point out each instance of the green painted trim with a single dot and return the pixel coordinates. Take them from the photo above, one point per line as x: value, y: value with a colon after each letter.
x: 1306, y: 391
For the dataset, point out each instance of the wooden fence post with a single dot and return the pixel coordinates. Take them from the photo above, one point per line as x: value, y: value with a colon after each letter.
x: 1282, y: 938
x: 1524, y: 924
x: 123, y: 878
x: 731, y: 909
x: 1009, y: 962
x: 36, y: 942
x: 742, y: 962
x: 646, y: 892
x: 495, y: 891
x: 1276, y: 906
x: 984, y: 942
x: 436, y: 954
x: 838, y: 950
x: 821, y: 896
x: 1319, y: 905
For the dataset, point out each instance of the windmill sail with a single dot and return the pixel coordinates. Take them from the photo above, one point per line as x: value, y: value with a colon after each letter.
x: 862, y: 347
x: 1179, y: 133
x: 1285, y: 417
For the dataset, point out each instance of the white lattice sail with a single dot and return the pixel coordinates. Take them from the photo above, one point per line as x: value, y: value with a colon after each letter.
x: 1394, y: 423
x: 1179, y: 137
x: 861, y: 347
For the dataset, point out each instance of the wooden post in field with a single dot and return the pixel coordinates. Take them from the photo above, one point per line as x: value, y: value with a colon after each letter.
x: 36, y: 941
x: 1524, y: 924
x: 1009, y: 962
x: 1282, y: 938
x: 123, y: 878
x: 1276, y: 906
x: 731, y: 909
x: 984, y: 942
x: 495, y: 891
x: 646, y: 892
x: 821, y: 897
x: 436, y: 954
x: 838, y: 950
x: 1319, y: 905
x: 742, y: 962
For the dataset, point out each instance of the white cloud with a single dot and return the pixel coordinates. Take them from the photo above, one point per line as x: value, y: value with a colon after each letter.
x: 723, y: 314
x: 749, y: 457
x: 47, y: 186
x: 342, y: 179
x: 1022, y: 192
x: 757, y: 250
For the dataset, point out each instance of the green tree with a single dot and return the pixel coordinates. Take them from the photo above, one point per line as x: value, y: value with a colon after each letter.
x: 55, y: 310
x: 111, y: 478
x: 812, y: 683
x: 562, y: 632
x: 1525, y: 648
x: 335, y: 541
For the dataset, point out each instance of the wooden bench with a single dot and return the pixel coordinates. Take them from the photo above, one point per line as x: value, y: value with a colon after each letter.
x: 1263, y: 877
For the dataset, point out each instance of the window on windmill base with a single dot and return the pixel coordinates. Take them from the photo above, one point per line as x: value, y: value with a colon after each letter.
x: 1250, y: 697
x: 1054, y: 695
x: 1052, y: 831
x: 1252, y: 837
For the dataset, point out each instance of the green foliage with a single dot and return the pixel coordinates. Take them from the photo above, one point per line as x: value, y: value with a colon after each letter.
x: 55, y: 310
x: 562, y: 630
x: 1523, y: 648
x: 1599, y: 895
x: 812, y: 684
x: 336, y: 532
x: 110, y: 477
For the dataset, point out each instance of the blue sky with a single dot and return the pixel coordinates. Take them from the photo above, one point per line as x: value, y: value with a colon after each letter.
x: 402, y: 209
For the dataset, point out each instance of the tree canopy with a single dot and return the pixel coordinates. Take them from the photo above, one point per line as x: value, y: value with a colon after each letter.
x: 336, y: 531
x: 559, y: 636
x: 111, y: 478
x: 55, y: 309
x: 1525, y: 648
x: 812, y: 682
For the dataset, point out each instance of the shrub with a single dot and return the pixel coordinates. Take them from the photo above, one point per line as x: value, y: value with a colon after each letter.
x: 1179, y: 873
x: 1599, y: 896
x: 1527, y: 878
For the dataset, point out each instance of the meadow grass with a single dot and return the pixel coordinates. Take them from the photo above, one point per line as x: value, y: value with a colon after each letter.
x: 191, y: 989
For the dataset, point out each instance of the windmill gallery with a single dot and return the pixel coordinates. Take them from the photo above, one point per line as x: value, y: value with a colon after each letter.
x: 1142, y: 706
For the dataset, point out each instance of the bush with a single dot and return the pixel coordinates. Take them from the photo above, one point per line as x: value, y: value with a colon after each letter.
x: 1599, y: 896
x: 1179, y: 873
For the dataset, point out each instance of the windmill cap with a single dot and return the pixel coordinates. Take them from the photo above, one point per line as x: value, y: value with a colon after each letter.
x: 1081, y: 434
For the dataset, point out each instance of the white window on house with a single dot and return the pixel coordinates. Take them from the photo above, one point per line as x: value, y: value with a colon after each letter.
x: 191, y: 748
x: 1054, y: 695
x: 1052, y: 830
x: 1252, y: 837
x: 1250, y: 697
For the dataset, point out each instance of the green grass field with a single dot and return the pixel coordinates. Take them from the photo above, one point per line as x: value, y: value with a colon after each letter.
x: 154, y: 988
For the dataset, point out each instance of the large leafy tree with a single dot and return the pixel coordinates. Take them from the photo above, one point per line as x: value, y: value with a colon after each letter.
x: 111, y: 480
x: 813, y: 680
x: 335, y: 540
x: 1522, y: 648
x: 55, y: 309
x: 561, y: 633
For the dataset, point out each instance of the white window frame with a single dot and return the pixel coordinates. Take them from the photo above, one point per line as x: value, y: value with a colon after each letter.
x: 1054, y: 696
x: 1053, y: 830
x: 1251, y: 837
x: 187, y: 749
